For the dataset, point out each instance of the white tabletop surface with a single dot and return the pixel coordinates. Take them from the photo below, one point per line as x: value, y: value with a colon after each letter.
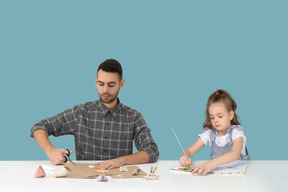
x: 264, y: 176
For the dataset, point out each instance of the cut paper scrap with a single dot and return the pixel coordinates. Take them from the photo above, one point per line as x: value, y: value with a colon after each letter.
x: 89, y: 171
x: 236, y: 167
x: 39, y: 172
x: 48, y: 167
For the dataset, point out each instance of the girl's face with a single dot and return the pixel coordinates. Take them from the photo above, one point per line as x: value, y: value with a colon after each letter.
x: 220, y: 117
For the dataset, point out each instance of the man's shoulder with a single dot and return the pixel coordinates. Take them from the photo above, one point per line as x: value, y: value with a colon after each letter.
x: 129, y: 110
x: 88, y: 105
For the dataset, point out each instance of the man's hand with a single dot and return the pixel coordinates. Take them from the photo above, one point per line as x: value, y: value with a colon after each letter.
x: 111, y: 164
x: 56, y: 156
x: 136, y: 158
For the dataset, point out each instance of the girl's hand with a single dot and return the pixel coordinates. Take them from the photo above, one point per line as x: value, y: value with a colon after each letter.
x: 203, y: 168
x: 184, y: 162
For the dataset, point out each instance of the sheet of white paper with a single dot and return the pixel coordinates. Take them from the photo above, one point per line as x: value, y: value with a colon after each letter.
x: 236, y: 167
x: 48, y: 167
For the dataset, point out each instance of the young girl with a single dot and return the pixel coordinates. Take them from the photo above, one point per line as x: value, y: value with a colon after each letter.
x: 222, y: 131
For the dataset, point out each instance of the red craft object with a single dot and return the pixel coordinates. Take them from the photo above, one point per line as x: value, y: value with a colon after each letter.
x: 40, y: 172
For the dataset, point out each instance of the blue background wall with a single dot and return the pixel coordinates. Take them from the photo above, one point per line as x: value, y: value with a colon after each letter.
x: 174, y: 55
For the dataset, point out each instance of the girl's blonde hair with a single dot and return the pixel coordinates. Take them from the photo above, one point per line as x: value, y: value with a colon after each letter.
x: 221, y: 96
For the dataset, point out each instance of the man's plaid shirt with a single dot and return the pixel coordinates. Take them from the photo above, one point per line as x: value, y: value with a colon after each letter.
x: 100, y: 133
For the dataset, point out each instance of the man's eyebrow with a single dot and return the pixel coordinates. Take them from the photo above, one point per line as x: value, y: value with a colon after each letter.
x: 112, y: 82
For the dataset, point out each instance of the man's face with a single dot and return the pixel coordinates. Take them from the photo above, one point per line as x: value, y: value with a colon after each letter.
x: 108, y: 86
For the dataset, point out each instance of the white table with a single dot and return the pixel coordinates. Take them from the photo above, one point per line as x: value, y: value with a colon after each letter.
x: 262, y: 176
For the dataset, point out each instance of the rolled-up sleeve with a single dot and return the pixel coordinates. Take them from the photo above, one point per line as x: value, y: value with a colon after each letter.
x: 61, y: 124
x: 144, y: 140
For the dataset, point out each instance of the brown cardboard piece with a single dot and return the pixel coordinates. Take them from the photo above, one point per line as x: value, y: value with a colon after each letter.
x: 83, y: 171
x: 116, y: 174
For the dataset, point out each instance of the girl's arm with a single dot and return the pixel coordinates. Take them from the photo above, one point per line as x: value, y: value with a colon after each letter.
x: 223, y: 159
x: 190, y: 152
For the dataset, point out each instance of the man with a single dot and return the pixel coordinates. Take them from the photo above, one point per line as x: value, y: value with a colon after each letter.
x: 103, y: 129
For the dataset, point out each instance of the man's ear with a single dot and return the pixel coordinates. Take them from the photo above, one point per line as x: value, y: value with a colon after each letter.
x: 231, y: 115
x: 122, y: 82
x: 96, y: 81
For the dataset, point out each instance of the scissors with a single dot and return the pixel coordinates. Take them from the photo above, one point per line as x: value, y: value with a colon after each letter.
x: 68, y: 155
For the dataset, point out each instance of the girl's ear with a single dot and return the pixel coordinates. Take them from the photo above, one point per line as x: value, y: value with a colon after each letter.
x: 231, y: 115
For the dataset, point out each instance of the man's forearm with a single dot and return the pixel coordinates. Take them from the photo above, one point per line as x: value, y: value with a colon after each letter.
x: 136, y: 158
x: 41, y: 137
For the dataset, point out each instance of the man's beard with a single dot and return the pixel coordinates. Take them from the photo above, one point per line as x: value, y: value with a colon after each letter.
x: 111, y: 99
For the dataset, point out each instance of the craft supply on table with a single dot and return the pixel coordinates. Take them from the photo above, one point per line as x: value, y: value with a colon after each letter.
x: 117, y: 174
x: 61, y: 173
x: 154, y: 169
x: 181, y: 147
x: 102, y: 178
x: 136, y: 171
x: 103, y: 171
x: 238, y: 167
x: 235, y: 168
x: 90, y: 171
x: 123, y: 169
x: 181, y: 170
x: 39, y: 172
x: 68, y: 155
x: 48, y: 167
x: 151, y: 177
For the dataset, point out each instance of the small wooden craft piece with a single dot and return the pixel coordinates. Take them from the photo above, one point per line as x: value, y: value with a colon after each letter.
x: 102, y: 178
x: 151, y: 177
x: 40, y: 172
x: 123, y: 169
x: 103, y: 171
x: 136, y: 171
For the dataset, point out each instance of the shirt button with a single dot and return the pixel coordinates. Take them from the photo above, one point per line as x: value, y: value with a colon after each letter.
x: 105, y: 150
x: 107, y: 123
x: 106, y: 137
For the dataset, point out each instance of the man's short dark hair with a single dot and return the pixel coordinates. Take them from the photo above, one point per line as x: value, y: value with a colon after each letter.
x: 111, y: 65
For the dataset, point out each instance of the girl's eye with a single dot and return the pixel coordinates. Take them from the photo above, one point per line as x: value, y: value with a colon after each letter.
x: 211, y: 118
x: 111, y: 85
x: 220, y: 117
